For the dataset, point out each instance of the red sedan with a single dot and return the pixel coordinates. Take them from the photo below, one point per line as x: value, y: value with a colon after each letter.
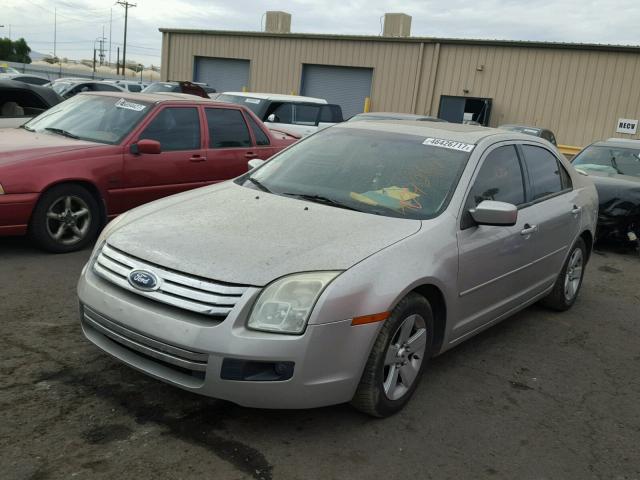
x: 86, y: 160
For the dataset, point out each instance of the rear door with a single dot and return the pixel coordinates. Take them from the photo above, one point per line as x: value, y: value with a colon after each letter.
x: 557, y: 209
x: 229, y: 143
x: 181, y: 165
x: 493, y: 276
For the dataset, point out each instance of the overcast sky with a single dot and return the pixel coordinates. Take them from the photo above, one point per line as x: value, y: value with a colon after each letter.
x: 80, y: 22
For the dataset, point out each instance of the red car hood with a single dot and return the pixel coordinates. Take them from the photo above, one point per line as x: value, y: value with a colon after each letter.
x: 18, y: 144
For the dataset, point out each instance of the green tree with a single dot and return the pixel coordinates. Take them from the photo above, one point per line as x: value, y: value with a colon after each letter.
x: 6, y: 49
x: 21, y: 51
x: 17, y: 51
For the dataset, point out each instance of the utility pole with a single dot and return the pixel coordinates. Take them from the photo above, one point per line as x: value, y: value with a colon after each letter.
x: 126, y: 6
x: 118, y: 62
x: 110, y: 25
x: 102, y: 39
x: 55, y: 30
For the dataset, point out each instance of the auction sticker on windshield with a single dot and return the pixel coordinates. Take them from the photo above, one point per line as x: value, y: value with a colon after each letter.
x: 252, y: 100
x: 122, y: 103
x: 450, y: 144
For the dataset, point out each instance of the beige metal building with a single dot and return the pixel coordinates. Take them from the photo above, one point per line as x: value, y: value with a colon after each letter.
x: 581, y: 92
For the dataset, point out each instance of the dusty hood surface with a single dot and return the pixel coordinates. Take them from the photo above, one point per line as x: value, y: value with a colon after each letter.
x: 17, y: 144
x: 239, y: 235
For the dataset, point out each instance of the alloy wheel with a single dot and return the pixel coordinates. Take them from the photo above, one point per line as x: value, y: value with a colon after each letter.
x: 573, y: 276
x: 68, y: 219
x: 404, y: 357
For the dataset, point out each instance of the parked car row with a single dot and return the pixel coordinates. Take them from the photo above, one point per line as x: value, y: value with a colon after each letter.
x: 330, y: 273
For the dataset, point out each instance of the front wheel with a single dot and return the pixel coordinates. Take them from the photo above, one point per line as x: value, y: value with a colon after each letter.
x: 66, y: 219
x: 567, y: 286
x: 397, y: 358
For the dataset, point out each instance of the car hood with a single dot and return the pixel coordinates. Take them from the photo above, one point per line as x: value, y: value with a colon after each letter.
x: 239, y: 235
x: 619, y: 196
x: 18, y: 144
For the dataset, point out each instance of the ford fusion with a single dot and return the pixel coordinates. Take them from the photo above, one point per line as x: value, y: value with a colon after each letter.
x: 333, y: 272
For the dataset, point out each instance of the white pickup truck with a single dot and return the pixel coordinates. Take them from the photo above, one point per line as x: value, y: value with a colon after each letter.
x: 293, y: 113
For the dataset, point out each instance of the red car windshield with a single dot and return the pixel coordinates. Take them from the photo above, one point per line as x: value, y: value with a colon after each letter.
x: 96, y: 118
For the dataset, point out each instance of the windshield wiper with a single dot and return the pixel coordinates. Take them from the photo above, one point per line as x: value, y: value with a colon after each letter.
x: 323, y: 200
x: 28, y: 129
x: 62, y: 132
x: 259, y: 184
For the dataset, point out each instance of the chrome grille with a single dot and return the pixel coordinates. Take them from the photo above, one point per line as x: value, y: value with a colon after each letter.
x: 176, y: 356
x: 206, y: 297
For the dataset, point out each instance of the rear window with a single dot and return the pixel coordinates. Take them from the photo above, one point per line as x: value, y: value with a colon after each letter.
x: 227, y: 128
x: 544, y: 171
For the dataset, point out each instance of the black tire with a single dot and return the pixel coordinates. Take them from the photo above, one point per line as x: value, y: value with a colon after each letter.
x: 370, y: 396
x: 41, y: 226
x: 557, y: 299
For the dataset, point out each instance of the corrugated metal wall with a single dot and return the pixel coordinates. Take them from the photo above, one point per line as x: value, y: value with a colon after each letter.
x: 579, y: 94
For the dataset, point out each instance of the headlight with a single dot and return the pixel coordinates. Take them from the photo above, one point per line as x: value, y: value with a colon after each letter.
x: 285, y: 305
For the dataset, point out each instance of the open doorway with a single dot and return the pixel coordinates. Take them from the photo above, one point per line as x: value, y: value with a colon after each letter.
x: 473, y: 110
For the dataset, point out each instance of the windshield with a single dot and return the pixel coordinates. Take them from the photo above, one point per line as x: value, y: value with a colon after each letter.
x: 61, y: 87
x: 620, y: 160
x: 256, y: 105
x: 162, y: 87
x: 370, y: 171
x: 95, y: 118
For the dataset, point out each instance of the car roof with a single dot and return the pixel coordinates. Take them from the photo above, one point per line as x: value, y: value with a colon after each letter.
x: 277, y: 97
x: 160, y: 97
x: 397, y: 116
x: 46, y: 93
x: 618, y: 142
x: 523, y: 127
x: 449, y: 131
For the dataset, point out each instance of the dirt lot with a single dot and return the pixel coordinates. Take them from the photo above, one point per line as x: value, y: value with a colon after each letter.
x: 541, y: 396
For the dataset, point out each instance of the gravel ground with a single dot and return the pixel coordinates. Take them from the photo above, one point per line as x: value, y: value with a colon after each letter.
x: 543, y: 395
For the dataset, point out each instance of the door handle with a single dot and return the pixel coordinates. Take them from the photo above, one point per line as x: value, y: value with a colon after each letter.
x: 528, y: 229
x: 250, y: 155
x: 197, y: 158
x: 576, y: 210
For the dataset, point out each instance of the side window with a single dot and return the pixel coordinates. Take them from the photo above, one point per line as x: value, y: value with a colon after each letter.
x: 103, y: 87
x: 175, y: 128
x: 330, y: 114
x: 261, y: 137
x: 135, y: 88
x: 306, y: 114
x: 227, y: 128
x: 500, y: 179
x: 283, y: 113
x: 544, y: 171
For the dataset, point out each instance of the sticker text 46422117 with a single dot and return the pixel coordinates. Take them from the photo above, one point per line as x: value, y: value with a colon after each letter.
x: 450, y: 144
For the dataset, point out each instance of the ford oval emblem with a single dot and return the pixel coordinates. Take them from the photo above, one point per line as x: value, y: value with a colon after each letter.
x: 143, y: 280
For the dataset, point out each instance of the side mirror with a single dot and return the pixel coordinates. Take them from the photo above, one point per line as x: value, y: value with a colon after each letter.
x: 490, y: 212
x: 152, y: 147
x: 271, y: 118
x: 255, y: 163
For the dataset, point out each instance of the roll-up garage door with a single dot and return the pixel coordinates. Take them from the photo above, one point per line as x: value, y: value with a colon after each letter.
x: 223, y: 74
x: 346, y: 86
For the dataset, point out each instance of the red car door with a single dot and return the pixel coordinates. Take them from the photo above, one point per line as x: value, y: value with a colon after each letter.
x: 181, y: 165
x: 230, y: 144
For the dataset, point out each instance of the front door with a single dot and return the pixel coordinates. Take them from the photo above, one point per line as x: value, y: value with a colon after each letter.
x: 493, y: 275
x: 181, y: 165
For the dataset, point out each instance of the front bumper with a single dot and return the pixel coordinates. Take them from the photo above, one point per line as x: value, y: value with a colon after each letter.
x: 187, y: 350
x: 15, y: 212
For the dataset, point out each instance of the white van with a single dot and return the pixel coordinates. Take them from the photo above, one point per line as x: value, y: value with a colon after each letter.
x: 293, y: 113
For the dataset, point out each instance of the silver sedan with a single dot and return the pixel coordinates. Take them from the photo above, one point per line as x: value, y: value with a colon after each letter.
x: 333, y: 272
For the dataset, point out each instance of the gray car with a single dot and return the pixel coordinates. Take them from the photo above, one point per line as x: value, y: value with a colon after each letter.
x: 334, y: 271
